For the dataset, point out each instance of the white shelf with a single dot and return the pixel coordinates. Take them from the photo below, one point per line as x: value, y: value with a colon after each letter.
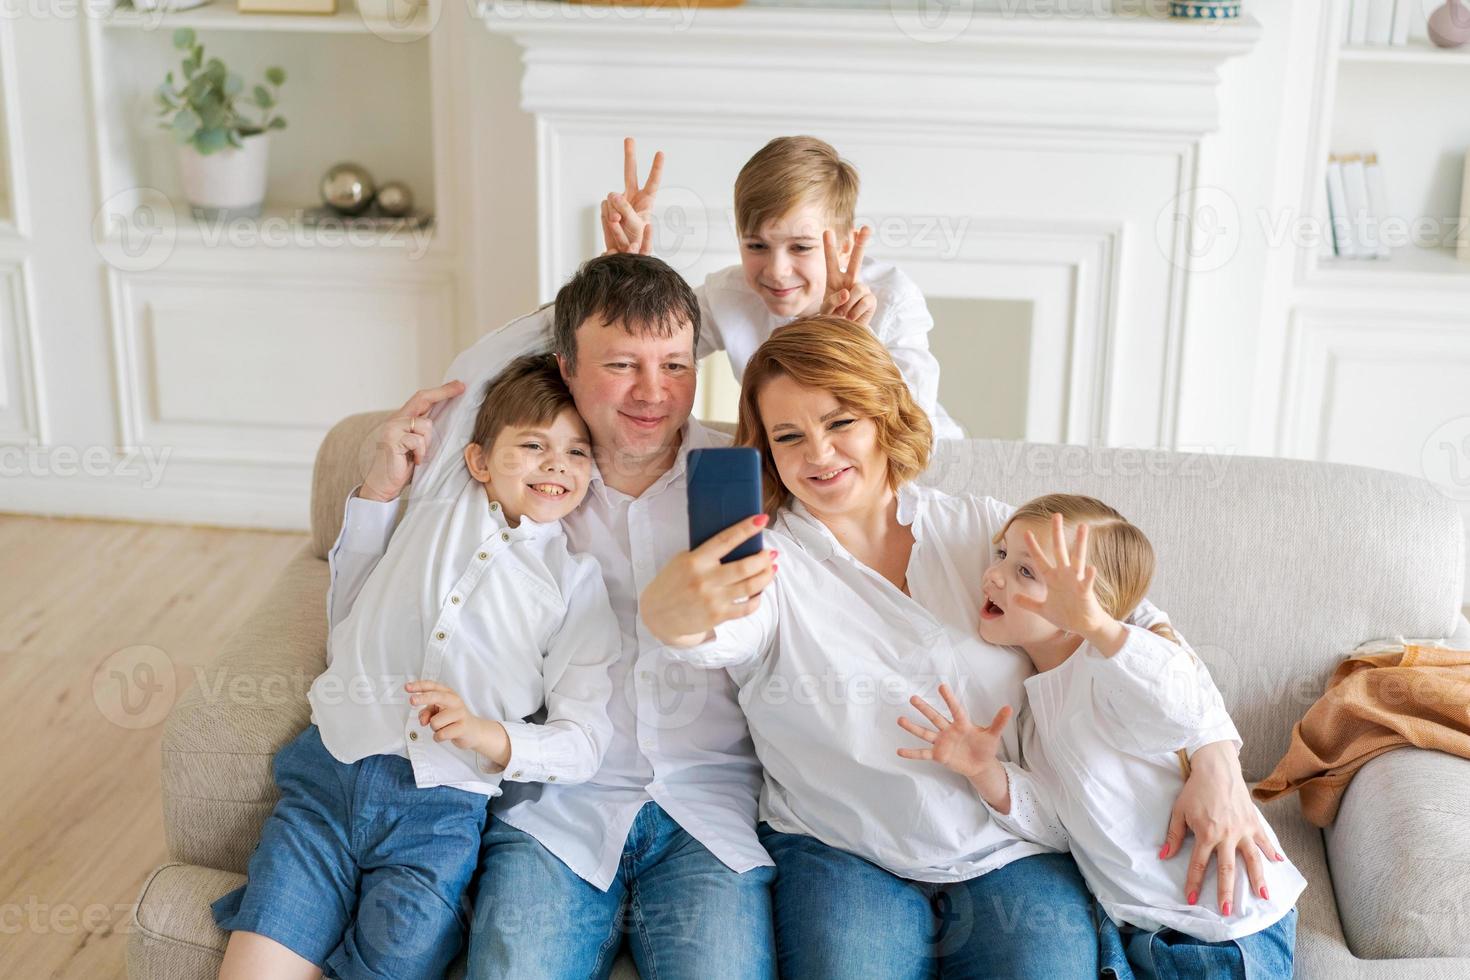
x: 1407, y: 267
x: 1418, y: 51
x: 221, y: 15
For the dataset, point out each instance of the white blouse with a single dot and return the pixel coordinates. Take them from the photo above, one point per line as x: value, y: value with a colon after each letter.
x: 827, y: 663
x: 1102, y: 775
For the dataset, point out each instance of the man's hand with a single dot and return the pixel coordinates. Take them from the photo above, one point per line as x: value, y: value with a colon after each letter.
x: 694, y: 592
x: 445, y: 712
x: 627, y: 218
x: 846, y: 294
x: 403, y: 442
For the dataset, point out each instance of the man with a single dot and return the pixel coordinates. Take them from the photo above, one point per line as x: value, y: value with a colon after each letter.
x: 661, y: 843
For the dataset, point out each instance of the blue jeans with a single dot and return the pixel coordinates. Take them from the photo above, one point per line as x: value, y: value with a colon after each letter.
x: 1131, y: 954
x: 684, y: 912
x: 840, y: 916
x: 358, y: 869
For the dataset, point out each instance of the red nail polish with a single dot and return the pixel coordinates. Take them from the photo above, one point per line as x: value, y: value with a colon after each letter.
x: 1225, y: 909
x: 1193, y: 897
x: 760, y: 520
x: 1164, y: 851
x: 1264, y: 895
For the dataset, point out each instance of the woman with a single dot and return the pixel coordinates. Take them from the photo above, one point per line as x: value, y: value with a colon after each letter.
x: 885, y: 868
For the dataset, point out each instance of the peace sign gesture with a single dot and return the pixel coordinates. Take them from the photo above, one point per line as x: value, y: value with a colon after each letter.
x: 959, y: 744
x: 846, y: 295
x: 627, y: 218
x: 1070, y: 602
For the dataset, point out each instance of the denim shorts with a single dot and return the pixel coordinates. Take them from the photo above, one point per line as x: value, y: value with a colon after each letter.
x: 358, y: 869
x: 1132, y: 954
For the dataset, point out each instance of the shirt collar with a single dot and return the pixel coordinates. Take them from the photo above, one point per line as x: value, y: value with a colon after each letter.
x: 692, y: 435
x: 527, y: 530
x: 817, y: 540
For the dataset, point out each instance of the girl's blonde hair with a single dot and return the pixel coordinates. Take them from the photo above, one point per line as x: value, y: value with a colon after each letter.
x: 1120, y: 552
x: 844, y: 358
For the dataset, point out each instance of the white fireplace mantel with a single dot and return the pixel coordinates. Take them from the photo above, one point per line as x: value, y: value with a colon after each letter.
x: 1136, y: 75
x: 1059, y: 151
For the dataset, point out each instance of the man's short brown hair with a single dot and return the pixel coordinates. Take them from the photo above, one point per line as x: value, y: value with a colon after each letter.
x: 530, y: 391
x: 642, y: 292
x: 788, y: 172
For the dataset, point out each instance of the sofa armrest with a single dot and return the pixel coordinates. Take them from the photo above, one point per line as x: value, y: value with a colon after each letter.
x: 1399, y: 858
x: 227, y: 725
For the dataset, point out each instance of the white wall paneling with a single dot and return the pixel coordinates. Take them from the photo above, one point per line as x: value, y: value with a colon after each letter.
x: 21, y: 420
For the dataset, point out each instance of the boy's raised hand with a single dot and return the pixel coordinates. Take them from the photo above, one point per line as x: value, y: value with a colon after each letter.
x: 627, y: 218
x: 403, y: 442
x: 846, y: 294
x: 958, y: 744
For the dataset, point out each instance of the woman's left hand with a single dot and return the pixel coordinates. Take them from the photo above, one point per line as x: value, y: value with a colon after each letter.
x: 1216, y: 805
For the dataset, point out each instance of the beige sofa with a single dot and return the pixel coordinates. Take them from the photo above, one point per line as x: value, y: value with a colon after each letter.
x: 1273, y: 568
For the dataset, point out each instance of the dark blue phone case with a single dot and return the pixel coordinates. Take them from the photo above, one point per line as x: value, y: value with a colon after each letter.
x: 724, y: 489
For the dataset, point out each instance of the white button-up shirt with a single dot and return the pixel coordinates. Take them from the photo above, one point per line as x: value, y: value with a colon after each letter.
x: 507, y: 617
x: 679, y: 737
x: 826, y: 666
x: 1101, y: 776
x: 737, y: 322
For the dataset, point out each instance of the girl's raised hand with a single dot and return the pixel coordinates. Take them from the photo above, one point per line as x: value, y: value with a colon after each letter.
x: 1070, y: 602
x: 956, y: 743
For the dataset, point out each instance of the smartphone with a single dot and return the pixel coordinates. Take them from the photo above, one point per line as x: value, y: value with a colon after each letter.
x: 724, y: 489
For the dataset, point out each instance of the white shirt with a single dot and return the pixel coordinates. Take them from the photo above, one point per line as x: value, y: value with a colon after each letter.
x: 679, y: 737
x: 1102, y: 776
x: 736, y: 321
x: 506, y: 617
x: 826, y: 666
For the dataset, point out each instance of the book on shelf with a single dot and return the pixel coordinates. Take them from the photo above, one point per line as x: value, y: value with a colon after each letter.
x: 1357, y: 205
x: 1462, y: 235
x: 1380, y: 22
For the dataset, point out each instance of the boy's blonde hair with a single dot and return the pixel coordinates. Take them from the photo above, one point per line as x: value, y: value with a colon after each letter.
x: 788, y: 172
x: 844, y: 358
x: 1120, y: 552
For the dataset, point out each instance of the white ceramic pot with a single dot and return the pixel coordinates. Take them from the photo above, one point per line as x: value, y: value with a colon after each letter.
x: 228, y: 183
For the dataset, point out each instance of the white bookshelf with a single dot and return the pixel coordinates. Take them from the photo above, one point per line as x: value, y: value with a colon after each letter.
x: 1399, y: 102
x: 359, y: 87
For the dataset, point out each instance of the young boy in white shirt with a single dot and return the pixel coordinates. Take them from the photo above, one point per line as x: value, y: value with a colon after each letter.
x: 486, y: 619
x: 799, y: 255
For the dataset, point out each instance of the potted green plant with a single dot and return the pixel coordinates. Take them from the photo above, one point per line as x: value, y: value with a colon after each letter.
x: 222, y: 153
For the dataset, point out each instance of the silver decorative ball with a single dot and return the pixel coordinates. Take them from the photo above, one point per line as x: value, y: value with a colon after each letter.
x: 395, y: 199
x: 347, y: 189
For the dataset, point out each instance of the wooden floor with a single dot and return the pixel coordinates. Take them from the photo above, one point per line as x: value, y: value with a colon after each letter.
x: 81, y: 823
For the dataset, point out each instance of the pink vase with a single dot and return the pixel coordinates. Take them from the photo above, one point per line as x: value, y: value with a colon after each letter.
x: 1449, y: 26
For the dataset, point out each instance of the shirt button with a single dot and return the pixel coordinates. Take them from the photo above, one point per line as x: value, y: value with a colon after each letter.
x: 505, y: 535
x: 439, y: 635
x: 483, y: 555
x: 551, y: 779
x: 494, y: 506
x: 454, y: 599
x: 413, y: 736
x: 516, y: 775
